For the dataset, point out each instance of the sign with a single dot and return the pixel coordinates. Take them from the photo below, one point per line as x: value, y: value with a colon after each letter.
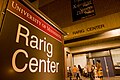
x: 82, y: 9
x: 30, y: 48
x: 89, y: 29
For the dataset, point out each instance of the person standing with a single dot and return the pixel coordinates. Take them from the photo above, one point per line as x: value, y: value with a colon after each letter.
x: 99, y: 70
x: 89, y: 70
x: 74, y: 70
x: 70, y: 73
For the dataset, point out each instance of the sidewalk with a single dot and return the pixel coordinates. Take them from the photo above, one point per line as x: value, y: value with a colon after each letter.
x: 105, y: 78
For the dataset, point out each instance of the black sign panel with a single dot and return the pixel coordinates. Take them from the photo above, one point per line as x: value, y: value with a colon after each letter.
x: 27, y: 51
x: 82, y: 9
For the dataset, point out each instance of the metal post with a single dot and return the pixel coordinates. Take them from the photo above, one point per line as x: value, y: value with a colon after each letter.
x: 106, y: 68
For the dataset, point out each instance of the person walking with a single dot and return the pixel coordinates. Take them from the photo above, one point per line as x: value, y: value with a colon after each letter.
x: 80, y: 71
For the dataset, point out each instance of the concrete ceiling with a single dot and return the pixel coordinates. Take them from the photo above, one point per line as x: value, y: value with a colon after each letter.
x: 60, y: 10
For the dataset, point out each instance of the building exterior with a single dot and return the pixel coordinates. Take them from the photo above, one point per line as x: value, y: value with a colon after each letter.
x: 89, y: 39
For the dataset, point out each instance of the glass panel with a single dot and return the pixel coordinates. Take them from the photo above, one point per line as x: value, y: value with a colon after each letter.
x: 116, y: 56
x: 116, y: 60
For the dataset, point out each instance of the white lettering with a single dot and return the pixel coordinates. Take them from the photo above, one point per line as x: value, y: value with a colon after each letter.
x: 34, y: 43
x: 52, y: 68
x: 14, y: 60
x: 35, y: 64
x: 40, y: 65
x: 49, y: 50
x: 21, y: 34
x: 22, y: 11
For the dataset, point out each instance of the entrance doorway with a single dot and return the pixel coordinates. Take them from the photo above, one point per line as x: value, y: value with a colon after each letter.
x: 107, y: 66
x: 106, y: 62
x: 105, y: 58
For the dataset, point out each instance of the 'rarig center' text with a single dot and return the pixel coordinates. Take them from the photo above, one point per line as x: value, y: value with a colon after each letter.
x: 34, y: 64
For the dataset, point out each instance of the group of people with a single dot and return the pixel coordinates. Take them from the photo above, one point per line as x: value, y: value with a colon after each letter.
x: 76, y: 72
x: 94, y: 71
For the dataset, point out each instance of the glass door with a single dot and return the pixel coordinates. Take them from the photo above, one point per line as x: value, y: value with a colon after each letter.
x: 105, y: 60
